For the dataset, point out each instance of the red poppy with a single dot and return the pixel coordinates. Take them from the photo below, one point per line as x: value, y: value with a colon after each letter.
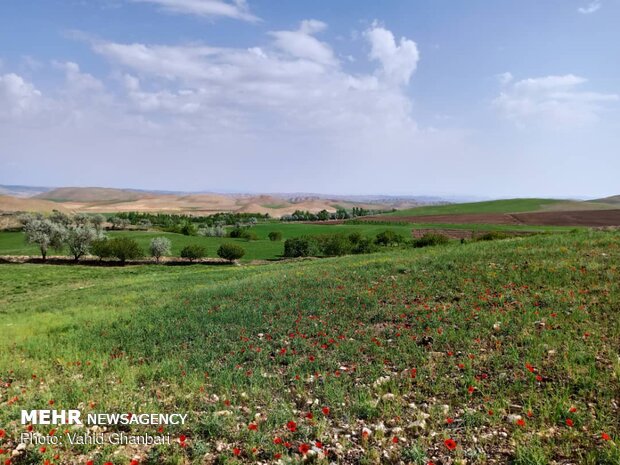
x: 450, y: 444
x: 42, y: 449
x: 237, y: 451
x: 319, y: 444
x: 29, y: 428
x: 90, y: 462
x: 292, y: 426
x: 395, y: 440
x: 449, y: 420
x: 134, y: 462
x: 182, y: 438
x: 521, y: 422
x: 252, y: 426
x: 304, y: 448
x: 309, y: 416
x: 569, y: 422
x: 325, y: 410
x: 605, y: 437
x: 108, y: 463
x: 471, y: 389
x: 2, y: 433
x: 277, y: 440
x: 277, y: 456
x: 572, y: 409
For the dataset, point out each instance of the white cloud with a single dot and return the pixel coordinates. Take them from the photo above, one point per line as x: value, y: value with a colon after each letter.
x: 237, y: 9
x: 303, y: 44
x: 296, y: 81
x: 554, y: 101
x: 398, y: 61
x: 592, y: 7
x: 18, y: 98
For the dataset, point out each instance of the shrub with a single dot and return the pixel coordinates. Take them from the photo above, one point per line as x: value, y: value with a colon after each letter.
x: 275, y: 236
x: 193, y: 252
x: 230, y: 252
x: 364, y: 245
x: 159, y: 247
x: 101, y: 248
x: 430, y: 239
x: 355, y: 237
x: 124, y: 248
x: 189, y: 229
x: 301, y: 247
x: 335, y: 245
x: 389, y: 237
x: 492, y: 236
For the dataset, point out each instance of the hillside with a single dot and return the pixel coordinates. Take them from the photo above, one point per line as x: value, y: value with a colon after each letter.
x: 90, y: 194
x: 422, y: 355
x: 613, y: 200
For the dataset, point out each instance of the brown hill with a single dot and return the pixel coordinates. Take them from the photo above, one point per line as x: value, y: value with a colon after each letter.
x: 90, y: 194
x: 18, y: 204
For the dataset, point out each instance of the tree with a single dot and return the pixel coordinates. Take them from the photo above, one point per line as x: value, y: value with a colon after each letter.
x: 79, y: 239
x: 336, y: 244
x: 98, y: 221
x: 60, y: 218
x: 193, y: 252
x: 124, y: 248
x: 275, y: 236
x: 44, y: 233
x: 81, y: 219
x: 323, y: 215
x: 230, y: 252
x: 159, y: 247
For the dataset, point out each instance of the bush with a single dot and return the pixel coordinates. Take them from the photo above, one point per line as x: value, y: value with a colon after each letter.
x: 389, y: 237
x: 355, y: 237
x: 189, y: 229
x: 124, y: 248
x: 101, y: 248
x: 430, y: 239
x: 492, y: 236
x: 335, y: 245
x: 275, y: 236
x: 364, y: 245
x: 159, y: 247
x: 243, y: 233
x: 301, y: 247
x: 193, y: 252
x: 230, y: 252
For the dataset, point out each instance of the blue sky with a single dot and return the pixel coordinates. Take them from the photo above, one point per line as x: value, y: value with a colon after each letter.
x: 436, y: 97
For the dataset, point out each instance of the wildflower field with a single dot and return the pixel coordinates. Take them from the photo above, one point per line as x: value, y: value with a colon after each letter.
x: 485, y: 352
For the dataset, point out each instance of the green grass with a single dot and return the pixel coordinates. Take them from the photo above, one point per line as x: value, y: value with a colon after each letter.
x: 271, y: 339
x: 13, y: 243
x: 493, y: 206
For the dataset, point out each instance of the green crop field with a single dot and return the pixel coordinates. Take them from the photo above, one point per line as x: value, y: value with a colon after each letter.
x: 485, y: 352
x: 492, y: 206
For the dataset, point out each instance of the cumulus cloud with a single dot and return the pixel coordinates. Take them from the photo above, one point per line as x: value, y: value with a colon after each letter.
x: 237, y: 9
x: 592, y: 7
x: 556, y: 101
x: 303, y: 44
x: 296, y: 78
x: 18, y: 98
x: 399, y: 61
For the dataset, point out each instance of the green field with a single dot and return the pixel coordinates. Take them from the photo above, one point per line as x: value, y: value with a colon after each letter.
x: 492, y: 206
x: 419, y: 346
x: 13, y: 243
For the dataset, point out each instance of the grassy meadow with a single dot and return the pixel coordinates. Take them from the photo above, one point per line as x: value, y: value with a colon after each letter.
x: 486, y: 352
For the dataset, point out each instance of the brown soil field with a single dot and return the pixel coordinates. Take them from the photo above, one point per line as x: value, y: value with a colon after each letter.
x: 548, y: 218
x: 459, y: 233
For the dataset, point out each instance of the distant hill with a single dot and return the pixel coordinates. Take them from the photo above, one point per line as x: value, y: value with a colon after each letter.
x: 91, y: 194
x: 613, y: 200
x: 22, y: 191
x: 18, y: 204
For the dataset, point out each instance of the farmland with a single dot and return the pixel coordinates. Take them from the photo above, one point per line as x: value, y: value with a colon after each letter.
x: 479, y: 352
